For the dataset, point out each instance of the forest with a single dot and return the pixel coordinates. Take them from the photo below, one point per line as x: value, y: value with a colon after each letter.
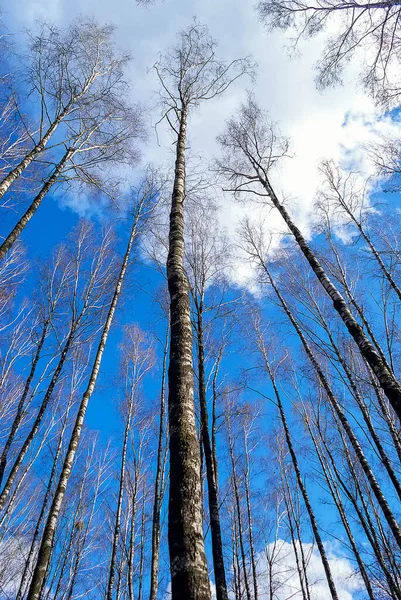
x: 200, y: 294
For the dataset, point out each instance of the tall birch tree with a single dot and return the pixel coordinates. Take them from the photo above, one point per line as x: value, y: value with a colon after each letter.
x: 189, y: 74
x: 143, y: 205
x: 251, y: 146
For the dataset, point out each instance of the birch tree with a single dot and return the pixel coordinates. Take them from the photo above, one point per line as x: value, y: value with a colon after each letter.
x: 189, y: 74
x: 137, y: 360
x: 69, y: 72
x: 371, y: 28
x: 143, y: 205
x: 100, y: 126
x: 207, y: 259
x: 251, y: 147
x: 80, y: 271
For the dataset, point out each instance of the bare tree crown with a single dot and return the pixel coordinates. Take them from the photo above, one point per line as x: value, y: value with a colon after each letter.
x: 373, y: 28
x: 191, y: 71
x: 251, y: 146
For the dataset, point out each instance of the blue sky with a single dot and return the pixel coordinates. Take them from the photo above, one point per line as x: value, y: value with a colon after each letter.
x: 334, y: 124
x: 320, y: 125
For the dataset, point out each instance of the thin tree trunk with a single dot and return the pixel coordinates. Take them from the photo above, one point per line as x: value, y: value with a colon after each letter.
x: 30, y: 157
x: 72, y: 549
x: 385, y: 376
x: 234, y: 558
x: 239, y: 519
x: 69, y: 548
x: 117, y: 524
x: 353, y: 302
x: 366, y: 324
x: 158, y: 489
x: 120, y: 574
x: 367, y: 239
x: 189, y: 574
x: 78, y: 555
x: 304, y: 563
x: 364, y: 518
x: 20, y: 408
x: 27, y: 216
x: 43, y: 509
x: 385, y: 412
x: 45, y: 549
x: 383, y: 267
x: 39, y: 417
x: 142, y: 555
x: 388, y: 514
x: 210, y: 460
x: 250, y: 523
x: 362, y: 406
x: 289, y: 509
x: 341, y: 510
x: 301, y: 485
x: 132, y: 535
x: 214, y: 415
x: 364, y: 491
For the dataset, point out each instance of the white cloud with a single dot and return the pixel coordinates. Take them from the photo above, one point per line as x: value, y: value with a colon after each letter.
x: 13, y: 553
x: 334, y: 124
x: 285, y: 578
x: 81, y: 203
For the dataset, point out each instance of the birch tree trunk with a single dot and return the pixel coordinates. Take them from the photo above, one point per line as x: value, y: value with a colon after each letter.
x: 20, y: 408
x: 189, y: 575
x: 142, y: 554
x: 387, y: 512
x: 210, y: 460
x: 25, y: 574
x: 235, y: 563
x: 301, y: 485
x: 385, y: 376
x: 117, y: 524
x: 159, y: 483
x: 189, y: 73
x: 341, y: 510
x: 83, y: 540
x: 36, y: 150
x: 214, y: 413
x: 45, y: 549
x: 237, y: 509
x: 291, y: 526
x: 131, y: 550
x: 249, y: 515
x: 27, y: 216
